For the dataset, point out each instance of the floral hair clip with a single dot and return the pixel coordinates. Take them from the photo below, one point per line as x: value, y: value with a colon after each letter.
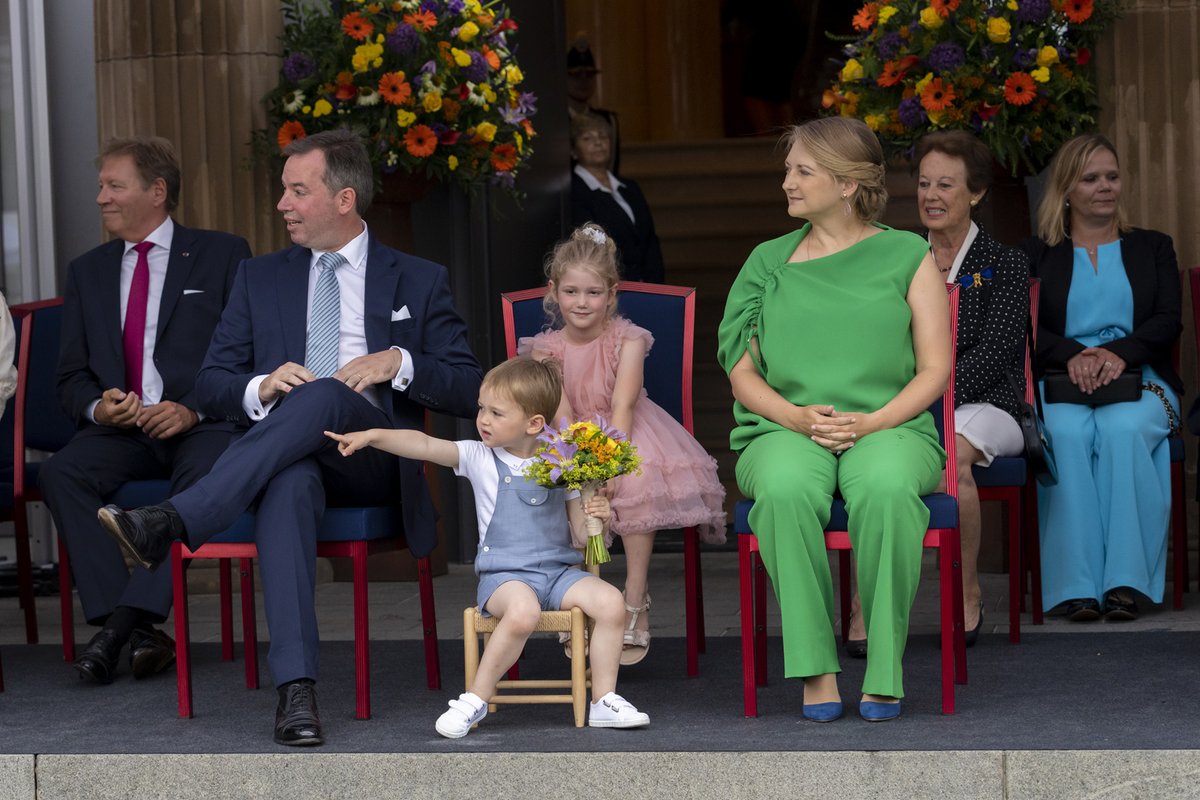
x: 595, y: 234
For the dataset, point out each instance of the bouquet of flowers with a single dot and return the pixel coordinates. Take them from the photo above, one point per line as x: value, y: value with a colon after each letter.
x: 583, y: 455
x: 432, y: 85
x: 1013, y: 71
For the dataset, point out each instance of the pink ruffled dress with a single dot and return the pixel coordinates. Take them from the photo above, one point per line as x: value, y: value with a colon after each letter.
x: 678, y: 487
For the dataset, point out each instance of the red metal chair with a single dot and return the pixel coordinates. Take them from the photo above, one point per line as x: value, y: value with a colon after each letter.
x: 942, y: 534
x: 668, y: 312
x: 1007, y: 480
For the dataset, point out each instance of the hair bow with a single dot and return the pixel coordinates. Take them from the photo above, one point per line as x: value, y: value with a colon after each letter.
x: 975, y: 278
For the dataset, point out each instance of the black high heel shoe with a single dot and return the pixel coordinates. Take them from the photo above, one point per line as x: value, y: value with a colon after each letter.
x: 855, y: 648
x: 973, y: 634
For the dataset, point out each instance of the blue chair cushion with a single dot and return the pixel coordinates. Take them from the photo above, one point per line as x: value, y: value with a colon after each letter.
x: 943, y: 513
x: 1003, y: 471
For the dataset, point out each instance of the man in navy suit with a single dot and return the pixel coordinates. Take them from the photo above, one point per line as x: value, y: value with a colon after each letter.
x: 126, y: 375
x: 400, y: 347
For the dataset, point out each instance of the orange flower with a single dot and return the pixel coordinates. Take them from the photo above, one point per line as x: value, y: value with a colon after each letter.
x: 450, y: 109
x: 891, y: 74
x: 528, y: 127
x: 866, y: 17
x: 1078, y: 10
x: 289, y: 132
x: 356, y: 27
x: 504, y: 157
x: 394, y: 89
x: 1019, y: 89
x: 422, y: 20
x: 345, y: 86
x: 420, y: 141
x: 937, y: 96
x: 490, y: 57
x: 944, y: 7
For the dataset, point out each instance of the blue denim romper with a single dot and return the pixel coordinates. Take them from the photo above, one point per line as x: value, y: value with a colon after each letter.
x: 528, y: 540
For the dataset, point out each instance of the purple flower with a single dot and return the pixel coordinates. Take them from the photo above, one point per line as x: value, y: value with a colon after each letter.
x: 527, y: 103
x: 911, y: 113
x: 503, y: 180
x: 1032, y: 10
x: 946, y: 56
x: 889, y: 45
x: 403, y: 40
x: 477, y: 70
x: 431, y: 5
x: 1024, y: 58
x: 429, y: 67
x: 298, y: 66
x: 455, y: 6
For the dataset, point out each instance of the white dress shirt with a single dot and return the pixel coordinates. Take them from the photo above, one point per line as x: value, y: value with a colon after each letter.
x: 352, y: 337
x: 593, y: 183
x: 157, y: 258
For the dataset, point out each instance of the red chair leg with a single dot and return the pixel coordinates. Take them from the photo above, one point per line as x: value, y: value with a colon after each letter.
x: 691, y: 589
x: 362, y: 641
x: 701, y: 642
x: 249, y: 621
x: 25, y: 572
x: 1012, y: 509
x: 748, y: 620
x: 183, y: 657
x: 956, y: 599
x: 226, y: 592
x: 1178, y: 534
x: 433, y: 667
x: 66, y: 602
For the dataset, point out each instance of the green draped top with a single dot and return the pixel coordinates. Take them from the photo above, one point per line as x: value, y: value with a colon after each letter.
x: 834, y: 330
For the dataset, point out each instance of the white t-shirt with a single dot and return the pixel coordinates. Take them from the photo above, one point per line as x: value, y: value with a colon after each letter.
x: 476, y: 465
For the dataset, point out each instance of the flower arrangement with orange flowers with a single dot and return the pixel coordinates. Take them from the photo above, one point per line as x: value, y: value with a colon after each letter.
x: 583, y: 455
x: 1013, y: 71
x: 432, y: 85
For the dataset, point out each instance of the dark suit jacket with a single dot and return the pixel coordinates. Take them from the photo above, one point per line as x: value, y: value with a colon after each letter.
x: 1150, y: 264
x: 638, y: 248
x: 991, y: 326
x: 264, y: 326
x: 92, y: 357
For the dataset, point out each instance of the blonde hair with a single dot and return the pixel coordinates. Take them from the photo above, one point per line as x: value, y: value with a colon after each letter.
x: 589, y: 247
x: 1054, y: 218
x: 535, y: 386
x: 848, y: 150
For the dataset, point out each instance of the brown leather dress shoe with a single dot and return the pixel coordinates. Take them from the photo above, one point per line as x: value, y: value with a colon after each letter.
x: 150, y: 652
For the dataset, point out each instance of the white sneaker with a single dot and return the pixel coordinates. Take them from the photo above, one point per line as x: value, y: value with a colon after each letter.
x: 464, y: 712
x: 614, y: 711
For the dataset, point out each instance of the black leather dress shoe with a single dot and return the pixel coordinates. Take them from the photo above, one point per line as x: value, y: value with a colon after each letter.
x: 98, y: 661
x: 855, y: 648
x: 150, y: 652
x: 1118, y: 608
x: 145, y: 534
x: 296, y: 720
x: 1085, y: 609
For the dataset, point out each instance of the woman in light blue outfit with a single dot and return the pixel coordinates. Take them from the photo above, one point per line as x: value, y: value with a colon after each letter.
x: 1110, y: 301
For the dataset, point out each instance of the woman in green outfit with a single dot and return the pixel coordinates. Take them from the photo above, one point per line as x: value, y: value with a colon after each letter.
x: 836, y: 338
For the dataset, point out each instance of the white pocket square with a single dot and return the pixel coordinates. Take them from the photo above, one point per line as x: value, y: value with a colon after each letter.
x: 401, y: 313
x: 193, y: 291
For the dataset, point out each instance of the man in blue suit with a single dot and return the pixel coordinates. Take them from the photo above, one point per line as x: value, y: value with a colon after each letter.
x: 336, y: 333
x: 137, y: 316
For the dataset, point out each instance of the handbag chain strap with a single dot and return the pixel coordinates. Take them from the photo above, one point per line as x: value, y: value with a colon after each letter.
x: 1172, y: 418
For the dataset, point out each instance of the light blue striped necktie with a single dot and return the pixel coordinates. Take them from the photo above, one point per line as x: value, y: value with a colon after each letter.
x: 324, y: 321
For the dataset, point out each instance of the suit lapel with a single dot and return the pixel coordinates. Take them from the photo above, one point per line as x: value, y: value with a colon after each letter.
x: 179, y: 269
x: 383, y: 276
x: 108, y: 301
x: 293, y: 295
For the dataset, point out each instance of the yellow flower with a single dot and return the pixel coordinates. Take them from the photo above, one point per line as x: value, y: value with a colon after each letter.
x: 452, y: 162
x: 931, y: 19
x: 886, y: 13
x: 999, y: 30
x: 875, y: 121
x: 321, y: 108
x: 921, y: 84
x: 513, y: 75
x: 468, y: 31
x: 1041, y: 74
x: 461, y: 57
x: 1047, y: 55
x: 488, y: 93
x: 432, y: 102
x: 404, y: 118
x: 853, y: 71
x: 1012, y: 5
x: 474, y: 7
x: 519, y: 142
x: 364, y: 54
x: 306, y: 109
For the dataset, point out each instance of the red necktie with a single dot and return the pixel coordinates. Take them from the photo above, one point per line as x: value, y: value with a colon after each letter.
x: 135, y: 319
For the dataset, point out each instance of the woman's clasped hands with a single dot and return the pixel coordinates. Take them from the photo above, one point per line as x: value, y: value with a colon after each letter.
x: 1093, y: 367
x: 836, y: 431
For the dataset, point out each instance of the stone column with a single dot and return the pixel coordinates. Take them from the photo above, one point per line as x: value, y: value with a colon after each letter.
x: 194, y: 71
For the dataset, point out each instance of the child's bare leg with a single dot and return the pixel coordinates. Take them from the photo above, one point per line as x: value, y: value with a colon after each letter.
x: 638, y: 549
x: 517, y: 608
x: 602, y: 602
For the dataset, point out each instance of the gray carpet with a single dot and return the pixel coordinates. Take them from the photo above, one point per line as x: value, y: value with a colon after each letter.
x: 1053, y: 691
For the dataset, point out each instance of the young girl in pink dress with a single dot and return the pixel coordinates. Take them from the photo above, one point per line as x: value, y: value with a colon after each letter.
x: 602, y: 356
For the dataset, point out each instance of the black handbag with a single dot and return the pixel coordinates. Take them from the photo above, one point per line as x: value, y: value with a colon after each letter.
x: 1039, y: 456
x: 1125, y: 388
